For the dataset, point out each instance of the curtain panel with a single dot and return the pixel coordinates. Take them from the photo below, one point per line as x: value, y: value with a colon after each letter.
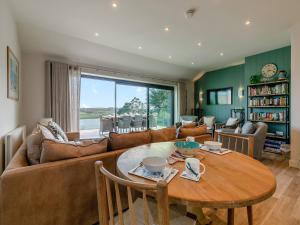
x: 63, y: 94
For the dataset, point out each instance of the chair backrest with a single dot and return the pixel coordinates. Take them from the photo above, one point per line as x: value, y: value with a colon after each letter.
x: 125, y: 122
x: 104, y: 179
x: 260, y: 135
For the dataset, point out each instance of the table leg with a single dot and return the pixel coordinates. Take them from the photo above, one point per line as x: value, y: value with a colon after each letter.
x: 201, y: 218
x: 230, y: 216
x: 250, y: 215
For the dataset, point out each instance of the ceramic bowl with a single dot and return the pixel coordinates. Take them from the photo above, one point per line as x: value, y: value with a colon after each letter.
x: 154, y: 163
x: 213, y: 145
x: 187, y: 148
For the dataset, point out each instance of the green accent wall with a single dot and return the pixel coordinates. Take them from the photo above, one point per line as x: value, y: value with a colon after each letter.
x: 239, y: 76
x: 223, y: 78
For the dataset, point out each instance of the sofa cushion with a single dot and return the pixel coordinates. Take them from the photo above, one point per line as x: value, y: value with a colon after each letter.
x: 188, y: 124
x: 196, y: 131
x: 128, y: 140
x: 55, y: 151
x: 165, y: 134
x: 34, y: 148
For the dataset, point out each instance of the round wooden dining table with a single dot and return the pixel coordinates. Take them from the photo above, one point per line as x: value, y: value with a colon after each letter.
x: 231, y: 181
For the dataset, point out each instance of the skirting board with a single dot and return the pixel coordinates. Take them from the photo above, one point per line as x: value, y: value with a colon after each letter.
x: 294, y: 163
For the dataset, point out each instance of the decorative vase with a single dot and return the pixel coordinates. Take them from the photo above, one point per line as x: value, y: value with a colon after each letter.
x: 282, y: 75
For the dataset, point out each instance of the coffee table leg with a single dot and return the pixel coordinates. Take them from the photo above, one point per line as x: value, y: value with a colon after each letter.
x: 197, y: 211
x: 230, y: 216
x: 250, y: 215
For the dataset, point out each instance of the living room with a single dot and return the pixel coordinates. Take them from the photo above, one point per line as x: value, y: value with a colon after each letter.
x: 206, y: 89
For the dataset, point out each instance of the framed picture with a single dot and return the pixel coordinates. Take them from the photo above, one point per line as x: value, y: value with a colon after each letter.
x: 12, y: 75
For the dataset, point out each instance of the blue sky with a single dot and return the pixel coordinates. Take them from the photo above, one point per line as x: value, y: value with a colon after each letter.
x: 101, y: 93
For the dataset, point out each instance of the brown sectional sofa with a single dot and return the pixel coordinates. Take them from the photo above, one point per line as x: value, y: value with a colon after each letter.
x: 64, y: 192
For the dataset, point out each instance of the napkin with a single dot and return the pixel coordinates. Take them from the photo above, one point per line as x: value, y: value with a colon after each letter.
x: 185, y: 175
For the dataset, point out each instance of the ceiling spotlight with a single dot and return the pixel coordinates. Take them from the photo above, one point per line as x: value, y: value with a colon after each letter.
x: 192, y: 63
x: 96, y: 34
x: 114, y: 5
x: 170, y: 57
x: 140, y: 47
x: 199, y: 44
x: 248, y: 22
x: 221, y: 54
x: 166, y: 28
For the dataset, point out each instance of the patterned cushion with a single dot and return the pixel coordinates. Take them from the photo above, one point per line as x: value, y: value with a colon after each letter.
x: 57, y: 131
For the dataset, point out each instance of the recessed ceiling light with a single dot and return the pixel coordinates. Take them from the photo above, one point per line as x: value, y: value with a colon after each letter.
x: 192, y: 63
x: 166, y: 29
x: 114, y: 5
x: 170, y: 57
x: 199, y: 44
x: 221, y: 54
x: 140, y: 47
x: 248, y: 22
x: 96, y: 34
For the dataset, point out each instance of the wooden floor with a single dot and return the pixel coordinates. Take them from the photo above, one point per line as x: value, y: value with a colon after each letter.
x: 282, y: 209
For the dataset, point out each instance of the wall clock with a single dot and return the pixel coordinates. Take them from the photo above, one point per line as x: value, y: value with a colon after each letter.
x: 269, y: 70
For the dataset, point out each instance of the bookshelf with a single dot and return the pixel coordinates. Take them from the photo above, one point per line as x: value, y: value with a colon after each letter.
x: 269, y: 102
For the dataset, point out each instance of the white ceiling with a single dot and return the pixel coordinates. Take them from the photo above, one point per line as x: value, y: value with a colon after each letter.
x: 218, y: 24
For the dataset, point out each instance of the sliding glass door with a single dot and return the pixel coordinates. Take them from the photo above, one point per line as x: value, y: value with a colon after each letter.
x: 123, y: 106
x: 131, y: 101
x: 161, y: 104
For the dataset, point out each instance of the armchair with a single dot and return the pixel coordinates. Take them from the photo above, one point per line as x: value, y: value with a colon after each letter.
x: 252, y: 143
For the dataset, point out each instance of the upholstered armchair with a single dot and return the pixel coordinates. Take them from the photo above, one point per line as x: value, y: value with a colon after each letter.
x: 229, y: 138
x: 209, y: 121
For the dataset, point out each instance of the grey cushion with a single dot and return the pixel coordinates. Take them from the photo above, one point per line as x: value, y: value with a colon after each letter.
x: 248, y: 128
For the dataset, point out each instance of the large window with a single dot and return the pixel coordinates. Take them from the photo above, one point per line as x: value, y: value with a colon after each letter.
x: 123, y: 106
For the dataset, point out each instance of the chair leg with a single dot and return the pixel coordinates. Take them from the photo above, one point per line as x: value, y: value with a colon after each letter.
x: 230, y: 216
x: 250, y: 215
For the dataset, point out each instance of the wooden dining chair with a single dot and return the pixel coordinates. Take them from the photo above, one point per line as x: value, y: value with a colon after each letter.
x: 141, y: 210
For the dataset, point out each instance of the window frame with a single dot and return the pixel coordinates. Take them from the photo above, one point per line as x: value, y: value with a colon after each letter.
x: 216, y: 95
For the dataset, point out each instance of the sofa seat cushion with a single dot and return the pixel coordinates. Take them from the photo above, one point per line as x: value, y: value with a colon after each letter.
x: 185, y: 132
x: 55, y: 151
x: 162, y: 135
x: 128, y: 140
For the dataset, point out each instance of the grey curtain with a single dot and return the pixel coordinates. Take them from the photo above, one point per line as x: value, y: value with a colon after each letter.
x: 63, y: 94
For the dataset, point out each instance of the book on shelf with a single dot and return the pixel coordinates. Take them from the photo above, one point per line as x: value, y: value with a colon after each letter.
x: 268, y: 116
x: 277, y: 89
x: 268, y: 101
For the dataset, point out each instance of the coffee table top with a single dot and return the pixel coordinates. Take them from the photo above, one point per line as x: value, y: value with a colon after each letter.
x: 232, y: 180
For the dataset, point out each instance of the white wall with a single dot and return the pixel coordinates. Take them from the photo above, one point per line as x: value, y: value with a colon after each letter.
x: 9, y: 109
x: 33, y: 91
x: 295, y: 94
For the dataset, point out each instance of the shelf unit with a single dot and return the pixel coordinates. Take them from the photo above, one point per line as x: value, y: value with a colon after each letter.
x: 277, y: 102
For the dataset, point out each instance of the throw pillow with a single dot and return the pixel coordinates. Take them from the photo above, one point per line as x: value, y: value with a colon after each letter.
x: 57, y: 131
x: 162, y: 135
x: 209, y: 121
x: 34, y: 148
x: 248, y: 128
x: 46, y: 133
x: 231, y: 122
x: 55, y: 151
x: 238, y: 130
x: 197, y: 131
x: 128, y: 140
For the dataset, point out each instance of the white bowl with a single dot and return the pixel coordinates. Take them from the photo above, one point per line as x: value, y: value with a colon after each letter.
x: 213, y: 145
x: 154, y: 163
